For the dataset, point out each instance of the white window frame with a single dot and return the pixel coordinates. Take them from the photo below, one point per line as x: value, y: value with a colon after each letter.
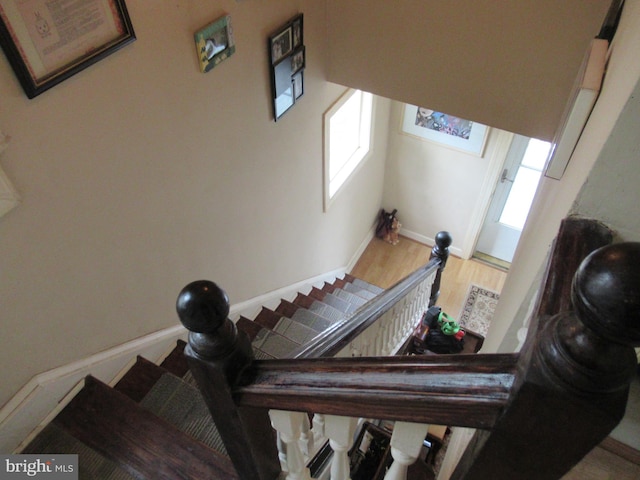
x: 358, y: 156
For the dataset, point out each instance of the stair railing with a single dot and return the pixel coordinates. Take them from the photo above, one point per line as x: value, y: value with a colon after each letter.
x: 540, y: 411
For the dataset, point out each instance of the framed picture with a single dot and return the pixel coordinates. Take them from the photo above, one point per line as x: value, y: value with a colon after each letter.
x: 297, y: 60
x: 48, y: 41
x: 287, y: 57
x: 281, y: 44
x: 298, y: 85
x: 296, y: 31
x: 214, y: 43
x: 445, y: 129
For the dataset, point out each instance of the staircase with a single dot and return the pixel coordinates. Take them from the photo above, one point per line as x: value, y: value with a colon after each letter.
x: 154, y: 423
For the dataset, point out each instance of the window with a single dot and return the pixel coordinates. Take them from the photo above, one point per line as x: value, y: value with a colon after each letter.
x: 347, y: 135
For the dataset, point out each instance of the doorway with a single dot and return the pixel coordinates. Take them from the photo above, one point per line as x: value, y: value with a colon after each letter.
x: 512, y: 199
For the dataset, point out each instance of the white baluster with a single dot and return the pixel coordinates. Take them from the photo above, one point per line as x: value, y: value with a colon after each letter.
x: 289, y: 427
x: 306, y: 438
x: 406, y: 442
x: 340, y: 432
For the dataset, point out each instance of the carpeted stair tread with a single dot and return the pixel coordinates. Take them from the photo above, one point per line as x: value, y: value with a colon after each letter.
x: 339, y: 303
x: 367, y: 286
x: 352, y: 298
x: 294, y: 330
x: 272, y: 344
x: 182, y: 405
x: 91, y: 465
x: 311, y: 320
x: 144, y: 444
x: 329, y: 287
x: 139, y: 379
x: 326, y: 311
x: 361, y: 292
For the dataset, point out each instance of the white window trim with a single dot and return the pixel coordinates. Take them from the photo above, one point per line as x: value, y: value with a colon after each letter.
x: 357, y: 159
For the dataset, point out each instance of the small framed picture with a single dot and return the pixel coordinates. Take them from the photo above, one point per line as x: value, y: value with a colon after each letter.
x: 297, y: 60
x: 214, y: 43
x: 296, y: 27
x: 298, y: 84
x: 280, y: 44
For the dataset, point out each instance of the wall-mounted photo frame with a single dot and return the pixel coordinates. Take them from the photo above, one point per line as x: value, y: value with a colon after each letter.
x: 444, y: 129
x: 297, y: 60
x: 281, y: 44
x: 46, y: 42
x: 287, y: 56
x: 214, y: 43
x: 297, y: 31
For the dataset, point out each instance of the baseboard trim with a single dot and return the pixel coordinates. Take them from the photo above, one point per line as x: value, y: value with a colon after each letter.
x: 457, y: 251
x: 621, y: 449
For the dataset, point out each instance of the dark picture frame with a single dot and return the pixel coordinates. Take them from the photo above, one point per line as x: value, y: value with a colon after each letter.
x: 287, y: 56
x: 45, y: 49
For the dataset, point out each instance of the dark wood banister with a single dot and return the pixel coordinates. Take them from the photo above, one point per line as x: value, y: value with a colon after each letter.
x: 463, y: 390
x: 341, y: 334
x: 567, y: 390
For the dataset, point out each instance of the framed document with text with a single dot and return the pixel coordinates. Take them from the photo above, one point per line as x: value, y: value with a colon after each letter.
x: 47, y: 41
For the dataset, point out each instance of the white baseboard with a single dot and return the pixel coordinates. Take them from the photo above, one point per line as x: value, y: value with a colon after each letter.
x: 27, y: 411
x: 457, y: 251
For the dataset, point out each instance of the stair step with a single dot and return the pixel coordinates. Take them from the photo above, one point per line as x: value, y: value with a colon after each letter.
x: 361, y: 292
x: 272, y: 345
x: 176, y: 362
x: 139, y: 379
x: 145, y: 445
x: 327, y: 311
x: 294, y: 330
x: 339, y: 303
x: 287, y: 308
x: 182, y: 405
x: 91, y: 464
x: 267, y: 318
x: 366, y: 285
x: 350, y: 297
x: 312, y: 320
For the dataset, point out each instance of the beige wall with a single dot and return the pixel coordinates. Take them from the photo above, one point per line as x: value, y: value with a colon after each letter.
x: 141, y: 174
x: 506, y: 64
x: 438, y: 188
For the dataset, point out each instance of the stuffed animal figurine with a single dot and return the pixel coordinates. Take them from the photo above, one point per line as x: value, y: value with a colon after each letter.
x: 388, y: 227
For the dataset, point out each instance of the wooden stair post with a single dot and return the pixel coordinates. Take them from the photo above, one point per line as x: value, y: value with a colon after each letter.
x: 440, y: 250
x: 575, y: 371
x: 217, y: 354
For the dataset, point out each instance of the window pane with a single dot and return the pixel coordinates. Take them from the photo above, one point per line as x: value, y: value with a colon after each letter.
x: 344, y: 133
x: 520, y: 197
x: 536, y: 154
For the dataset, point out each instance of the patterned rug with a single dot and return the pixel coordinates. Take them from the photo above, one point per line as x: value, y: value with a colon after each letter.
x: 478, y: 309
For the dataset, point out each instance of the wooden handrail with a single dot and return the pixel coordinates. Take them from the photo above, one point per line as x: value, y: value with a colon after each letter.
x: 468, y: 390
x: 341, y: 334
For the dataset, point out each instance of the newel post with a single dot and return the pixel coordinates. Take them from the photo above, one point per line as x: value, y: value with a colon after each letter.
x: 575, y: 375
x: 441, y: 251
x: 217, y: 353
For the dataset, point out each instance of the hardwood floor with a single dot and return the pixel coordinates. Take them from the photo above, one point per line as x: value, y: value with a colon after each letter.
x: 384, y: 264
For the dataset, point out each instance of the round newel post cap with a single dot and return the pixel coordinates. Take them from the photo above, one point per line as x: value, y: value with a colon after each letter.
x: 443, y: 240
x: 202, y: 306
x: 606, y: 292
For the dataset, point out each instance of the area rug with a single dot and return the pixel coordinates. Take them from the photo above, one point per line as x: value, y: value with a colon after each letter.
x: 478, y: 309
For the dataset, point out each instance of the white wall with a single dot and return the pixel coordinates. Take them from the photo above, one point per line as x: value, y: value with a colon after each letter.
x: 437, y: 188
x: 141, y: 174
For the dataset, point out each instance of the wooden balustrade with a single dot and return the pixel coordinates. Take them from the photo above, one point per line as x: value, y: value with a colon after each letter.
x: 540, y: 411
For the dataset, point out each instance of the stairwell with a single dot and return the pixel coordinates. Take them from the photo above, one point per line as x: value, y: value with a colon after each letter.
x: 154, y: 423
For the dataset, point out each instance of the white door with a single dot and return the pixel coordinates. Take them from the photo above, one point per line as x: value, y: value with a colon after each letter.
x: 512, y: 198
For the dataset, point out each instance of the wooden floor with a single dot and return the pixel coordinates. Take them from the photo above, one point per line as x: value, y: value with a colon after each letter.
x: 384, y: 264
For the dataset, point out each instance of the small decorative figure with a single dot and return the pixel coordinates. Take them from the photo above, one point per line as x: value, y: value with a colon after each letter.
x: 388, y: 227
